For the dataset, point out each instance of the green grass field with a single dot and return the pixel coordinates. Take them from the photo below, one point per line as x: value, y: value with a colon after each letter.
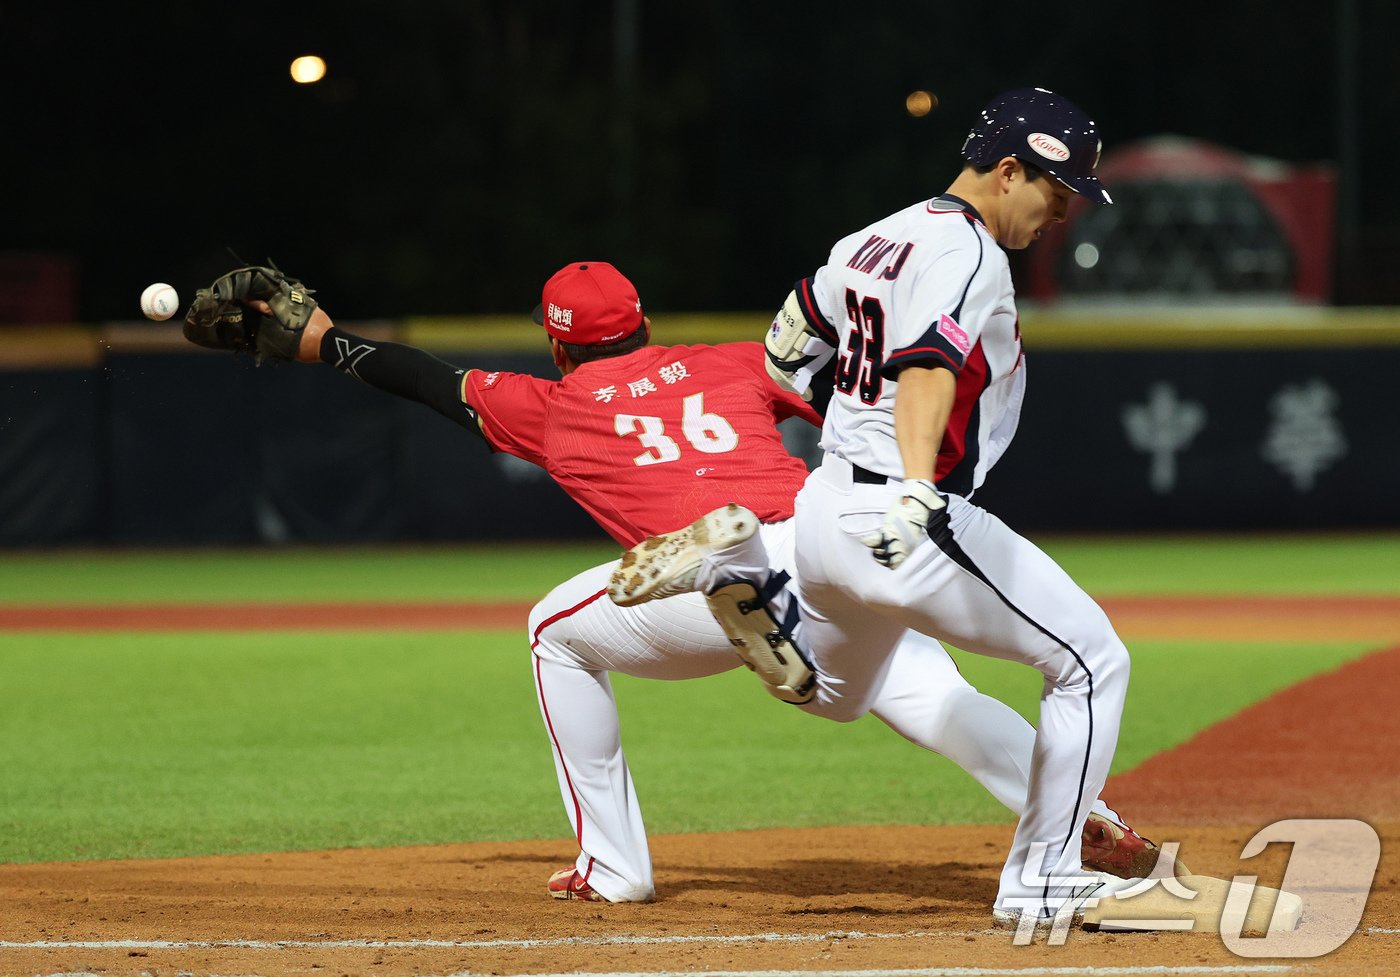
x: 135, y: 744
x: 1302, y: 564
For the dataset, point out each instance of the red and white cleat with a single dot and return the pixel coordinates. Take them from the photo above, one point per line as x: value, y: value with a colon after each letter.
x: 568, y: 884
x: 1116, y: 849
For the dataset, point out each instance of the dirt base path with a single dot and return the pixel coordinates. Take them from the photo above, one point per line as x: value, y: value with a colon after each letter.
x: 834, y: 899
x: 1281, y: 618
x: 1323, y: 748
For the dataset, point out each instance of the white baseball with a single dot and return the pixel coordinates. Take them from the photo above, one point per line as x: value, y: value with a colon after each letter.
x: 159, y: 301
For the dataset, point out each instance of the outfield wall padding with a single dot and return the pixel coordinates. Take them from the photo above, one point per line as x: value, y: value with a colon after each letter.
x: 158, y: 443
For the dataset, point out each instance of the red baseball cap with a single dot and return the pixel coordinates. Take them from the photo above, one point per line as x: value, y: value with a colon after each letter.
x: 589, y: 303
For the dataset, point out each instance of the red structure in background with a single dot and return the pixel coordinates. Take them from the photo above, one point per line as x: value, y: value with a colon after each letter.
x: 1300, y: 199
x: 37, y: 288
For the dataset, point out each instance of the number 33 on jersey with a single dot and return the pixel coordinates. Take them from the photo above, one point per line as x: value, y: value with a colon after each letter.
x: 653, y: 436
x: 926, y: 286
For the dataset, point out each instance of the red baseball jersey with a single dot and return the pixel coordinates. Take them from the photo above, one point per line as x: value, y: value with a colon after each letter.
x: 650, y: 441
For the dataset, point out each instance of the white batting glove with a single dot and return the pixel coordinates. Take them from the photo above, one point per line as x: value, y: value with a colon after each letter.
x: 906, y: 524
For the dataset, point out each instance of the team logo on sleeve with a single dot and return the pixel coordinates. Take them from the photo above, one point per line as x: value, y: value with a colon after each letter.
x: 490, y: 380
x: 952, y: 332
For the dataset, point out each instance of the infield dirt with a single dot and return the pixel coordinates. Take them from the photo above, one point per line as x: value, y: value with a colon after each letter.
x: 841, y: 899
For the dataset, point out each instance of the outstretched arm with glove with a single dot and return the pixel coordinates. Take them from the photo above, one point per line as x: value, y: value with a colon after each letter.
x: 260, y: 310
x: 923, y: 402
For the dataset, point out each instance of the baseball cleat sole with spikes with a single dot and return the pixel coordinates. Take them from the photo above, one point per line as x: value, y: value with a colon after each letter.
x: 663, y: 566
x: 764, y: 646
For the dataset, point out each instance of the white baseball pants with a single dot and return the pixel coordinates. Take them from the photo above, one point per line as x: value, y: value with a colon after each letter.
x: 578, y: 636
x: 986, y: 590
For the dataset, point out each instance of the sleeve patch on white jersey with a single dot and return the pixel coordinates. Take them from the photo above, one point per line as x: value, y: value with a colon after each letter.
x: 945, y: 343
x: 952, y: 332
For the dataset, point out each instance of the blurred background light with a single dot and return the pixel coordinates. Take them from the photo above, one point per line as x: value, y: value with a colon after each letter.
x: 920, y: 103
x: 308, y: 69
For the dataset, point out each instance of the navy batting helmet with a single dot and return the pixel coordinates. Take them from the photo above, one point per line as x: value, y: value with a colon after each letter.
x: 1044, y: 129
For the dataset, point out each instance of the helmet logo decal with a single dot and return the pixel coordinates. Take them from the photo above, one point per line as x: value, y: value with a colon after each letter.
x: 1048, y: 146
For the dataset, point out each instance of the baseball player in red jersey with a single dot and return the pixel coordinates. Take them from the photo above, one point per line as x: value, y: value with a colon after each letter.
x: 646, y: 437
x: 920, y: 312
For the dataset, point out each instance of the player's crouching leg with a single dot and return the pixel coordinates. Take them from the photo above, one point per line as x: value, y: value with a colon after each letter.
x: 581, y: 724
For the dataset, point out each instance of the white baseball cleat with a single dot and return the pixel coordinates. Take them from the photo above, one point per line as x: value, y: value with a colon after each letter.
x: 1010, y: 919
x: 1062, y: 913
x: 762, y: 641
x: 663, y: 566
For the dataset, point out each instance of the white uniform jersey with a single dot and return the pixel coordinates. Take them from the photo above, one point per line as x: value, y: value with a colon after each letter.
x: 927, y: 285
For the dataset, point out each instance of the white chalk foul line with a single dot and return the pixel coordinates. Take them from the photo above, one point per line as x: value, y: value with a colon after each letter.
x: 466, y: 944
x: 472, y: 944
x: 588, y: 941
x: 926, y: 972
x: 933, y: 972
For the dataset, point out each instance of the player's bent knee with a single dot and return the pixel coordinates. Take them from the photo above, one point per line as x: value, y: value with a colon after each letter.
x: 838, y: 710
x: 542, y: 635
x: 539, y: 614
x: 1112, y: 666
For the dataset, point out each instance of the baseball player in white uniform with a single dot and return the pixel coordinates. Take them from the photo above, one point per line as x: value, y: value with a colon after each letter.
x: 920, y: 311
x: 645, y: 437
x: 578, y: 639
